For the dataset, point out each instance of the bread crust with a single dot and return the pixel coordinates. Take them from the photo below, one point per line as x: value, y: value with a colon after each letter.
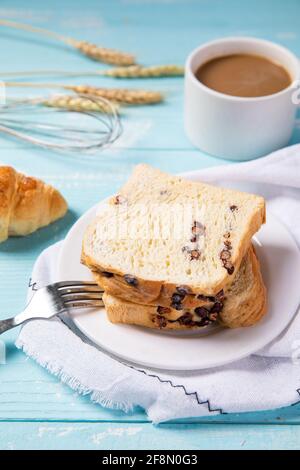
x: 246, y: 303
x: 26, y: 204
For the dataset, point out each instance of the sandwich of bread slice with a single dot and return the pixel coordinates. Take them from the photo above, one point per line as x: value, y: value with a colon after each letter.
x: 243, y: 304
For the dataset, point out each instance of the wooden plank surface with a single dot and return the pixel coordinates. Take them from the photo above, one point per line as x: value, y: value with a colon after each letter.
x: 35, y: 409
x: 123, y: 436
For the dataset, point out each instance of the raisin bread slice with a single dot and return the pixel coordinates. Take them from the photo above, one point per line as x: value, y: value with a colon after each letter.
x: 162, y: 232
x: 149, y: 316
x: 244, y: 304
x: 166, y: 297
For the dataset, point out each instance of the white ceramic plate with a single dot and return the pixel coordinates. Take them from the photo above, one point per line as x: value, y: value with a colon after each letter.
x: 280, y: 261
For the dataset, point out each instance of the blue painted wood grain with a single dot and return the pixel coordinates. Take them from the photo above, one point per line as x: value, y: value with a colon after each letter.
x: 123, y: 436
x: 36, y: 410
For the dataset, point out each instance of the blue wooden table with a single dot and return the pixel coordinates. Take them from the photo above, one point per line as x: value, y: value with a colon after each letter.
x: 36, y: 410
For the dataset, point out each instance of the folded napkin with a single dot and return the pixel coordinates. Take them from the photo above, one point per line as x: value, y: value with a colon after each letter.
x: 266, y: 380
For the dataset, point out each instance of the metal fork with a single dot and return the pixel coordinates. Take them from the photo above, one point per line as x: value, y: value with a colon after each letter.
x: 56, y: 299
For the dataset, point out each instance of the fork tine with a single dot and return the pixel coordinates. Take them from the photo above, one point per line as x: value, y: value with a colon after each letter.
x: 64, y: 284
x: 81, y: 296
x: 85, y: 304
x: 80, y: 290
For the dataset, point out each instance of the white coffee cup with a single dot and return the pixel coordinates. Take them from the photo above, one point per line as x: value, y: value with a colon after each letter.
x: 232, y: 127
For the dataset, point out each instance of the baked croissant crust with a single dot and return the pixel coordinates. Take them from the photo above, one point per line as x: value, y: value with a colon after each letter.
x: 26, y: 204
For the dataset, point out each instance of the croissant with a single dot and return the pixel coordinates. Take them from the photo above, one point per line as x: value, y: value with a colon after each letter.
x: 26, y: 204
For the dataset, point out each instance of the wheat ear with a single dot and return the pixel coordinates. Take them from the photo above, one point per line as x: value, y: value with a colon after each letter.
x: 137, y: 71
x: 80, y: 104
x: 133, y: 71
x: 101, y: 54
x: 119, y: 95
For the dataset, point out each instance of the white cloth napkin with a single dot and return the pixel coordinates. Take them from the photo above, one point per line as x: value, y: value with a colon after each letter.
x: 269, y: 379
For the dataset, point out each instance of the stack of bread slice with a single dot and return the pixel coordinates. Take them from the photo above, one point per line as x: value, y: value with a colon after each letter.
x: 176, y: 254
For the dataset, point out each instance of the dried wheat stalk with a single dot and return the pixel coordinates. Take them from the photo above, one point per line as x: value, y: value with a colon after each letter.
x: 137, y: 71
x: 133, y: 71
x: 80, y: 104
x: 102, y: 54
x: 120, y: 95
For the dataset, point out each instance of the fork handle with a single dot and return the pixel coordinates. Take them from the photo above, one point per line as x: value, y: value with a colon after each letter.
x: 8, y: 324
